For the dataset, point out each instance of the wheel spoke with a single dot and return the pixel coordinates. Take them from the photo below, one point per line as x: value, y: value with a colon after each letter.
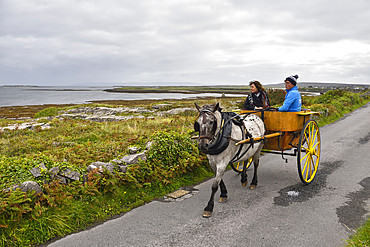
x: 304, y: 166
x: 309, y: 162
x: 313, y: 166
x: 305, y: 137
x: 317, y: 143
x: 304, y: 157
x: 314, y: 139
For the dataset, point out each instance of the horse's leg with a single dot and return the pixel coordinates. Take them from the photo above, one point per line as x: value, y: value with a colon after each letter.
x: 254, y: 180
x: 223, y: 196
x: 256, y: 160
x: 244, y: 175
x: 209, y: 209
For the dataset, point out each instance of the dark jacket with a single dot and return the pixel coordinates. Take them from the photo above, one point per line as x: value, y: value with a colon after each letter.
x: 259, y: 99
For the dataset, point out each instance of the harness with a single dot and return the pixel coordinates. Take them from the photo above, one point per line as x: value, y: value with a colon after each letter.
x: 221, y: 140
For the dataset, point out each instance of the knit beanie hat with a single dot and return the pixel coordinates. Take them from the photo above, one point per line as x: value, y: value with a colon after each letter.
x: 292, y: 79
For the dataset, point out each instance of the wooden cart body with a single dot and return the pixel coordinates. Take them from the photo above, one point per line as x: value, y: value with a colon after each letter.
x: 287, y: 131
x: 283, y: 128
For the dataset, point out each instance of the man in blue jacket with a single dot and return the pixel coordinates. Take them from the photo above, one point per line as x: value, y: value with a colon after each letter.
x: 293, y: 101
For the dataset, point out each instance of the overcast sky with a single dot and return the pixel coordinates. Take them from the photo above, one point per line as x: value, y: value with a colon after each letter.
x: 209, y: 42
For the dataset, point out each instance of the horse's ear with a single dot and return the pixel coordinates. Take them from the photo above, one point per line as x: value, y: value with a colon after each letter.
x: 197, y: 106
x: 215, y: 108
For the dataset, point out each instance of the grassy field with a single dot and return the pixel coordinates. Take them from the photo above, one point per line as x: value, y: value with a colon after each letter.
x: 173, y: 162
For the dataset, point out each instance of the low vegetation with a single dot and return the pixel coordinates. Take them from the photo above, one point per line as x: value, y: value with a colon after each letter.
x: 173, y: 162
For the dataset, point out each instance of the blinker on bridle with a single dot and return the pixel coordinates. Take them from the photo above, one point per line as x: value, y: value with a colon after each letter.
x: 208, y: 112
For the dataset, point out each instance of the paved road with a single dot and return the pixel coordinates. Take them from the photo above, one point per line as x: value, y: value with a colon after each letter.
x: 323, y: 214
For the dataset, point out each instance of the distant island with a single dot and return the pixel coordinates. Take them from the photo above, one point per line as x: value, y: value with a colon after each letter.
x: 235, y: 89
x: 19, y: 86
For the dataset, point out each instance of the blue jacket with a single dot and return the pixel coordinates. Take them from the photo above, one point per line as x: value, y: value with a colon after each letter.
x: 293, y: 101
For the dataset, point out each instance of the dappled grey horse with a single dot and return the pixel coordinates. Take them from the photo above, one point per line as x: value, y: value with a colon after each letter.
x: 218, y: 134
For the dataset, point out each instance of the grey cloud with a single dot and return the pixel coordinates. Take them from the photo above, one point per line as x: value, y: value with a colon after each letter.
x: 202, y: 41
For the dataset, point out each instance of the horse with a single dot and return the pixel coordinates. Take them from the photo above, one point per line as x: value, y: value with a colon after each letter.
x: 212, y: 127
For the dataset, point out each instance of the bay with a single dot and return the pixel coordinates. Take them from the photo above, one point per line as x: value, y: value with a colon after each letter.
x: 20, y: 96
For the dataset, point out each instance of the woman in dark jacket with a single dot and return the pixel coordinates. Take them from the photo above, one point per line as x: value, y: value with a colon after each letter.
x: 258, y: 98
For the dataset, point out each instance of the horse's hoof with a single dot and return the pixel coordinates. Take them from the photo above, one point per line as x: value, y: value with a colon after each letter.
x: 244, y: 184
x: 223, y: 199
x: 207, y: 214
x: 253, y: 187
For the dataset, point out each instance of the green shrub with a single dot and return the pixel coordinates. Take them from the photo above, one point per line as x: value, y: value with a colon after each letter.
x: 168, y: 147
x: 47, y: 112
x: 276, y: 96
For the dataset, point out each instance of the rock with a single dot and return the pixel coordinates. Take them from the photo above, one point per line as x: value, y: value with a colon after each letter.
x: 53, y: 172
x: 159, y: 106
x: 13, y: 188
x: 133, y: 158
x: 133, y: 150
x: 30, y: 126
x: 108, y: 166
x: 117, y: 161
x: 100, y: 165
x: 31, y: 185
x: 122, y: 169
x: 149, y: 145
x: 68, y: 173
x: 36, y: 171
x: 91, y: 167
x: 61, y: 179
x: 176, y: 111
x: 180, y: 110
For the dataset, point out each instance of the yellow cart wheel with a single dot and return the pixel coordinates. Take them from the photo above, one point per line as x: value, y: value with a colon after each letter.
x: 238, y: 166
x: 309, y: 149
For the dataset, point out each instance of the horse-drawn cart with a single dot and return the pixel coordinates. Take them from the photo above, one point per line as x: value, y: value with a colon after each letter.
x: 251, y: 133
x: 292, y: 134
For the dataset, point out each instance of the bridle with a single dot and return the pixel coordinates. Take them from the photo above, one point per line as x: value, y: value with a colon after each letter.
x: 201, y: 113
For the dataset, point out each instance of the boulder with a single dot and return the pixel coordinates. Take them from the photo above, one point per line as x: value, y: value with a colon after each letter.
x: 100, y: 165
x: 31, y: 185
x: 122, y: 169
x: 53, y: 172
x: 159, y: 106
x: 91, y: 167
x: 149, y: 145
x: 61, y: 179
x: 108, y: 166
x: 133, y: 158
x: 133, y: 150
x: 68, y: 173
x: 13, y: 188
x: 118, y: 162
x: 36, y: 171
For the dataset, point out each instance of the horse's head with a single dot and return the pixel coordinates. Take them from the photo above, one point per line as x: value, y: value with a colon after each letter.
x: 206, y: 124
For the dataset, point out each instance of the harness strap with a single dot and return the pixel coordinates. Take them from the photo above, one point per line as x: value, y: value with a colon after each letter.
x: 236, y: 156
x: 246, y: 135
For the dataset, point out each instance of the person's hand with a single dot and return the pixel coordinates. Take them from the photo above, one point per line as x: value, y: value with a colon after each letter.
x: 258, y: 108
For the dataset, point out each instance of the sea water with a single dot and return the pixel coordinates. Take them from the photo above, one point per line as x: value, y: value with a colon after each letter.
x: 24, y: 95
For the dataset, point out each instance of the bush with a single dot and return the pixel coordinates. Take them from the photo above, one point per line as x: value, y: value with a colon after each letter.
x: 276, y: 96
x: 48, y: 112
